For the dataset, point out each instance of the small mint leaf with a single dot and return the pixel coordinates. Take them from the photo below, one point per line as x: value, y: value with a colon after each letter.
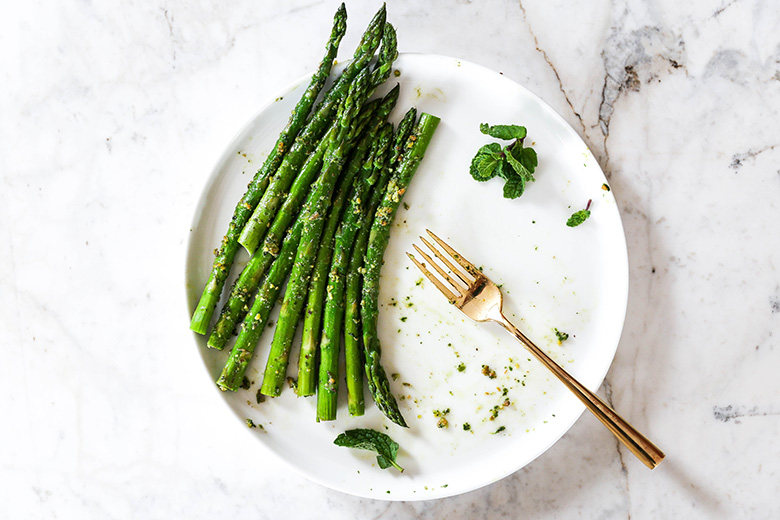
x: 578, y: 217
x: 514, y: 187
x: 483, y: 166
x: 529, y: 159
x: 517, y: 166
x: 385, y: 448
x: 506, y: 132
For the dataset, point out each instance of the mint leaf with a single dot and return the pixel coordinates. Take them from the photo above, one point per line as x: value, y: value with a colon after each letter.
x: 513, y: 163
x: 514, y: 187
x: 529, y: 159
x: 517, y: 166
x: 578, y: 217
x: 372, y: 440
x: 506, y: 132
x: 485, y: 162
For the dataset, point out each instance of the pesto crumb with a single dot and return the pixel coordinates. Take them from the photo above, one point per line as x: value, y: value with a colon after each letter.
x: 462, y: 367
x: 562, y: 336
x: 245, y: 384
x: 487, y: 371
x: 466, y: 427
x: 260, y: 398
x: 403, y: 318
x: 499, y: 430
x: 395, y: 376
x: 250, y: 423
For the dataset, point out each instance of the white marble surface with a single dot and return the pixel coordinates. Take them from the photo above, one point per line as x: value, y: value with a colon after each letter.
x: 112, y: 114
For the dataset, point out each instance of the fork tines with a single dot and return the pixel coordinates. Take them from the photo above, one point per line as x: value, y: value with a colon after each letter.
x: 461, y: 281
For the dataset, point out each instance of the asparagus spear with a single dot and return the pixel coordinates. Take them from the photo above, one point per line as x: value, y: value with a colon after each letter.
x: 352, y: 335
x: 233, y: 373
x: 377, y: 243
x: 255, y: 228
x: 314, y: 222
x: 312, y: 313
x: 245, y: 286
x: 312, y: 316
x: 327, y: 392
x: 255, y: 320
x: 229, y: 245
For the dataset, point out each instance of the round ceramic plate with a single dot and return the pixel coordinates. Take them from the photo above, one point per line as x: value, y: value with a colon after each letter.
x: 573, y: 279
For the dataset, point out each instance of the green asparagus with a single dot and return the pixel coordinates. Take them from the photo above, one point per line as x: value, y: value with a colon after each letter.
x: 377, y: 243
x: 307, y: 376
x: 327, y: 392
x: 226, y: 252
x: 352, y: 335
x: 245, y: 286
x: 338, y: 149
x: 255, y: 228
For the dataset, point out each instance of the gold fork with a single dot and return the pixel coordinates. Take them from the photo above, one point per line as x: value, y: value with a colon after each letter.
x: 481, y: 300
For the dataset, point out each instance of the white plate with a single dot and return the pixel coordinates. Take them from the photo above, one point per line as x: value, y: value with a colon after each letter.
x: 553, y: 276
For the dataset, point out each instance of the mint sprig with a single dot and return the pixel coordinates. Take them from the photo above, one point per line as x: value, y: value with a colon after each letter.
x: 578, y: 217
x: 514, y: 163
x: 372, y: 440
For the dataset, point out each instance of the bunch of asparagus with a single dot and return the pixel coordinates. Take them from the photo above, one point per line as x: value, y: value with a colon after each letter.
x: 317, y: 215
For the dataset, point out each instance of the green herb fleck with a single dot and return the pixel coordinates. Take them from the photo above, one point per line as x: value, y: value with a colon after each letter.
x: 462, y: 367
x: 562, y: 336
x: 386, y: 449
x: 250, y: 423
x: 466, y: 427
x: 578, y: 217
x: 499, y: 430
x: 442, y: 422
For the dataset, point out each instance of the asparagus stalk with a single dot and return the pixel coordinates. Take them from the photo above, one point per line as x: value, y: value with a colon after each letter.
x: 246, y: 285
x: 352, y: 332
x: 377, y: 243
x: 314, y: 222
x: 254, y: 324
x: 327, y: 392
x: 255, y: 228
x: 226, y: 252
x: 313, y: 311
x: 307, y: 375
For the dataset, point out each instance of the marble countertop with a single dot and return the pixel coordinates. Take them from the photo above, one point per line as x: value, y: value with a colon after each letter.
x: 113, y: 114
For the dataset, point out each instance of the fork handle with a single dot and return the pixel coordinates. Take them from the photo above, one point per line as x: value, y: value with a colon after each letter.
x: 639, y: 445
